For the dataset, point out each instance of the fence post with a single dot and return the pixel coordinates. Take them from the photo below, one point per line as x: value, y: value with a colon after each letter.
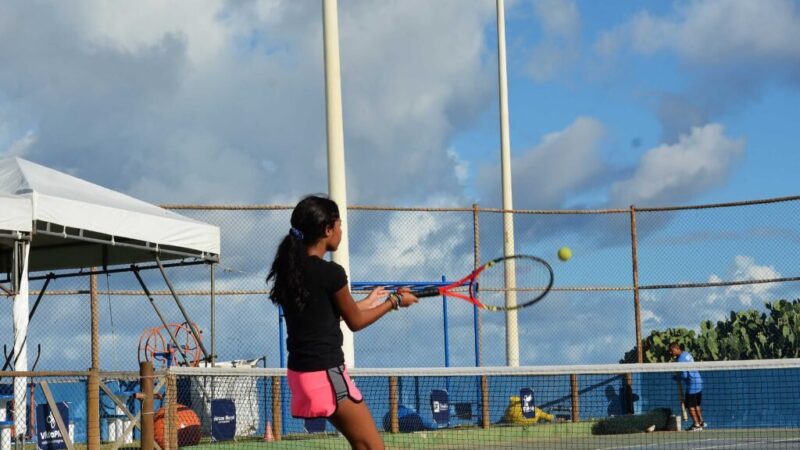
x: 636, y: 305
x: 476, y: 261
x: 573, y: 383
x: 146, y: 382
x: 93, y: 383
x: 171, y: 416
x: 277, y: 413
x: 485, y: 419
x: 393, y: 401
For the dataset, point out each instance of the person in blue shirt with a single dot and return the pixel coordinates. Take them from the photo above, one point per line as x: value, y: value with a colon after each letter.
x: 692, y: 387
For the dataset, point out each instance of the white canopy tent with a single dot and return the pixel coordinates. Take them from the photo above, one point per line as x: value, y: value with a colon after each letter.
x: 15, y: 216
x: 52, y: 221
x: 57, y: 207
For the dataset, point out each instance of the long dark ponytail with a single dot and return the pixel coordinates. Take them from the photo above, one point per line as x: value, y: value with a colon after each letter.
x: 310, y: 218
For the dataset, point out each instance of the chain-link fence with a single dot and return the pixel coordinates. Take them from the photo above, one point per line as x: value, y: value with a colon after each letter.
x: 48, y: 407
x: 634, y: 271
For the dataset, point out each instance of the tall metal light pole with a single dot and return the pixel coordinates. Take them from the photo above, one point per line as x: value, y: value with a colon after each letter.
x: 512, y: 335
x: 337, y: 188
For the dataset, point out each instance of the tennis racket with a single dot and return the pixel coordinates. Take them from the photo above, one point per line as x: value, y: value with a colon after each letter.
x: 528, y: 278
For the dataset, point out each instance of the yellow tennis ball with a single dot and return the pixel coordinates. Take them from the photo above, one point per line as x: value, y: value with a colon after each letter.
x: 564, y: 253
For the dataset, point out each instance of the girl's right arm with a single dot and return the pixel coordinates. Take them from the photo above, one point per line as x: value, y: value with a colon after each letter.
x: 357, y: 318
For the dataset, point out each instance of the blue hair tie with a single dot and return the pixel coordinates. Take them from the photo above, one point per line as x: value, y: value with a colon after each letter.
x: 295, y: 233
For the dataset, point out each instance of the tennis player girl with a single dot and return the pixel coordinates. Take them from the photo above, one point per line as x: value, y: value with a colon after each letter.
x: 314, y: 294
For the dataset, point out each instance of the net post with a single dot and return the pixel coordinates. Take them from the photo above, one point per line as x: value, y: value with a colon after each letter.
x: 485, y: 420
x: 146, y: 382
x: 171, y: 418
x: 573, y: 383
x: 393, y: 401
x: 276, y: 408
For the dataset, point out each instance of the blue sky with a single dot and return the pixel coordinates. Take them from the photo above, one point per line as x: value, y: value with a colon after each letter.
x: 611, y: 104
x: 236, y: 88
x: 751, y: 92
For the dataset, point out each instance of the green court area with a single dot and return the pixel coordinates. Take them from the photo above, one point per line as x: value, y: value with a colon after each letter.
x: 556, y: 436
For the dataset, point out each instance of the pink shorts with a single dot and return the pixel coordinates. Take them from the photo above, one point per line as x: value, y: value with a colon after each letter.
x: 318, y: 393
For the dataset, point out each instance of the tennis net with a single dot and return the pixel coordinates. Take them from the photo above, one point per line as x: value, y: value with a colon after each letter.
x: 745, y: 404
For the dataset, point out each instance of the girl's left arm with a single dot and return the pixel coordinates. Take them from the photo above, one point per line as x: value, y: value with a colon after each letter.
x: 373, y: 299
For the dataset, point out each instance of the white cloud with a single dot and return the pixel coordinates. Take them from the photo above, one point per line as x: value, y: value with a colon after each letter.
x: 581, y: 352
x: 20, y: 146
x: 544, y: 176
x: 558, y: 17
x: 668, y: 308
x: 744, y: 269
x: 610, y: 42
x: 131, y: 30
x: 710, y: 33
x: 224, y: 102
x: 669, y: 174
x: 460, y: 166
x: 559, y: 45
x: 410, y: 78
x: 410, y: 246
x: 567, y: 169
x: 715, y: 33
x: 729, y: 50
x: 650, y: 316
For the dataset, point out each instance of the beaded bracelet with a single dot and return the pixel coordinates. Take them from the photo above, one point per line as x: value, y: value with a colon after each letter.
x: 396, y: 300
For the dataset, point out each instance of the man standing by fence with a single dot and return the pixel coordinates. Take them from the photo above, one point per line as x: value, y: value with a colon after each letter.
x: 692, y: 387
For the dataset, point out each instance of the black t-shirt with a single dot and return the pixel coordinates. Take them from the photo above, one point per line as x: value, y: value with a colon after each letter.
x: 314, y: 337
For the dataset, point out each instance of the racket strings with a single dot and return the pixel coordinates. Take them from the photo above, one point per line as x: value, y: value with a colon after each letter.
x: 514, y: 289
x: 513, y: 283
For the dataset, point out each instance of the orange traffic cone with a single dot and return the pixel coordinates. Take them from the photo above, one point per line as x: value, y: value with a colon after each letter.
x: 268, y: 437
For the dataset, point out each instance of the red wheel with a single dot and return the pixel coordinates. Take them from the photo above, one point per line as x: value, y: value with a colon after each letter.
x: 188, y: 344
x: 156, y: 345
x: 153, y: 347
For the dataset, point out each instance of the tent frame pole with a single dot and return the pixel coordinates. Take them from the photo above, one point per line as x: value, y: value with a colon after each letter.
x: 15, y: 269
x: 213, y: 315
x: 183, y: 310
x: 132, y: 268
x: 161, y: 317
x: 8, y: 362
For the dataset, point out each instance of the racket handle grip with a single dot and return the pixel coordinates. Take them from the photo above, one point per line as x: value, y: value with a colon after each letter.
x: 428, y: 292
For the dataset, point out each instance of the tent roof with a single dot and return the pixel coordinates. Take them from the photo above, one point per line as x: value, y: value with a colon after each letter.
x: 15, y: 215
x: 74, y: 223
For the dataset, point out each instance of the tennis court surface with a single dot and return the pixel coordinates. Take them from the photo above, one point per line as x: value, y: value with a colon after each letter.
x: 721, y: 439
x: 746, y: 405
